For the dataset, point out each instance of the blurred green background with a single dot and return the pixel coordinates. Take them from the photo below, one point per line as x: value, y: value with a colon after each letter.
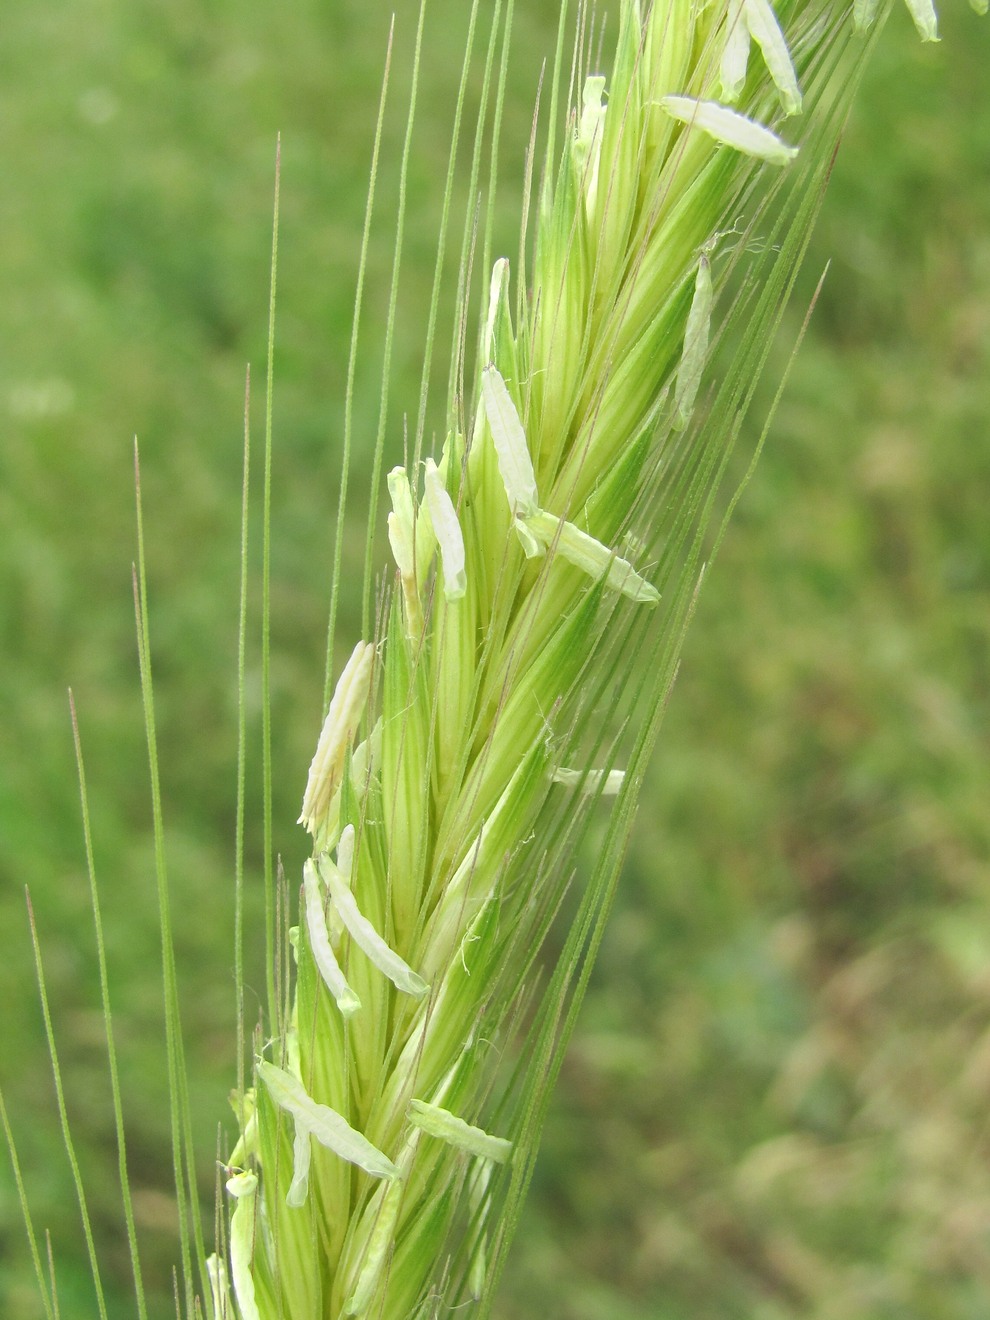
x: 776, y: 1103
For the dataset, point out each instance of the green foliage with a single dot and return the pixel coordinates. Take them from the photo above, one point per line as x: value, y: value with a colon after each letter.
x: 774, y: 1101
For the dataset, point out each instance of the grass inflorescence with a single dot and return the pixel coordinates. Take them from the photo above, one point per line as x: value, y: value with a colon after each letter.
x: 548, y: 556
x: 547, y: 562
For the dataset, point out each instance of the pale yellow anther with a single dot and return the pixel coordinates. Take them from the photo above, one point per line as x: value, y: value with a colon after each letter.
x: 302, y: 1154
x: 363, y: 933
x: 242, y: 1184
x: 321, y: 948
x: 592, y: 112
x: 346, y: 708
x: 402, y: 539
x: 729, y: 128
x: 765, y: 31
x: 328, y: 1127
x: 450, y: 539
x: 589, y: 555
x: 345, y: 853
x: 588, y: 142
x: 243, y: 1187
x: 588, y: 147
x: 514, y: 462
x: 438, y: 1122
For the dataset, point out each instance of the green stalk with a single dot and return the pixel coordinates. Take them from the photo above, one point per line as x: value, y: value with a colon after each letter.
x: 190, y: 1220
x: 101, y: 957
x: 63, y: 1114
x: 271, y: 952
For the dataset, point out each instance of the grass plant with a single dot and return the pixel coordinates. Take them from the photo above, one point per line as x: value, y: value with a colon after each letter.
x: 548, y: 559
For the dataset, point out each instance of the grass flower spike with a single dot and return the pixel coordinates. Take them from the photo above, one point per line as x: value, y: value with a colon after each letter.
x: 512, y: 655
x: 525, y: 602
x: 594, y: 425
x: 341, y: 722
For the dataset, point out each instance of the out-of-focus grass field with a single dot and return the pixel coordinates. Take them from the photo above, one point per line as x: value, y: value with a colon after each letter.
x: 776, y: 1105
